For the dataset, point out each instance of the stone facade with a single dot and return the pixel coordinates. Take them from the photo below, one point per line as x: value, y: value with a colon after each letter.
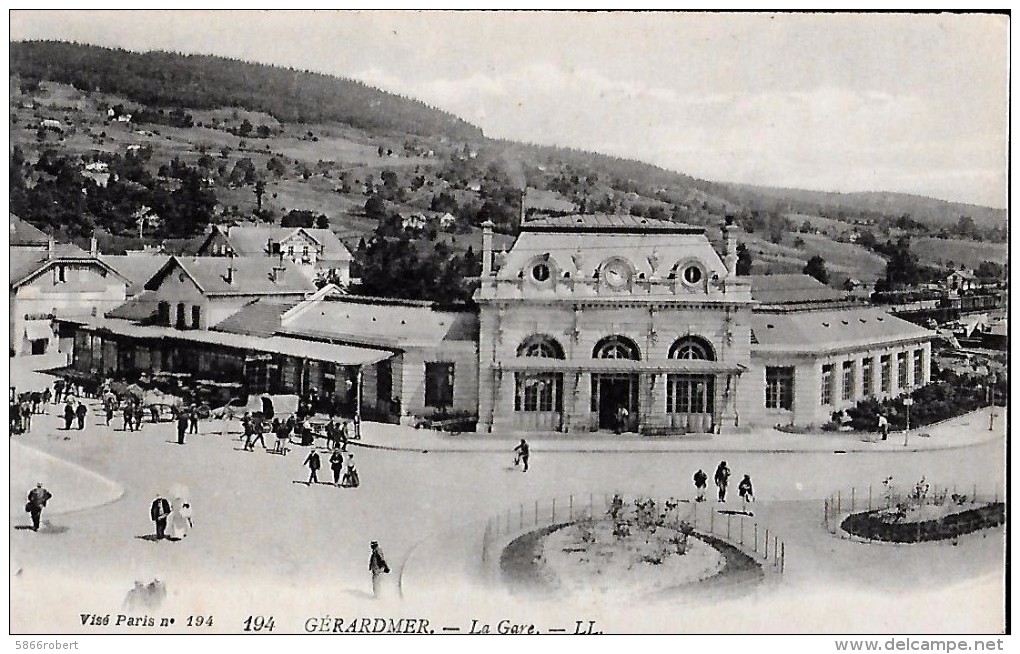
x: 605, y: 322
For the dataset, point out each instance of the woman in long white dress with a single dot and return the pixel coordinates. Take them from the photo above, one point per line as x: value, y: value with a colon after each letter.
x: 179, y: 521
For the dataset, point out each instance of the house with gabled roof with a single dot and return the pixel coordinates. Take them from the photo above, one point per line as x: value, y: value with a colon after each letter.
x: 198, y: 292
x: 60, y: 281
x: 317, y: 253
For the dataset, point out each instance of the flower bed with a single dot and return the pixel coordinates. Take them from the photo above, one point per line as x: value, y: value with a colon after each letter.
x: 636, y: 551
x: 924, y: 523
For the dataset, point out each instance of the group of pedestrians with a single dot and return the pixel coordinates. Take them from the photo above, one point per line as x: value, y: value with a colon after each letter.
x: 341, y: 463
x: 25, y: 405
x: 722, y: 480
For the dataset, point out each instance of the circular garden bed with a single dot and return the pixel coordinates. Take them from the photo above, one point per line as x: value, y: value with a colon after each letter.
x: 624, y: 557
x: 926, y: 523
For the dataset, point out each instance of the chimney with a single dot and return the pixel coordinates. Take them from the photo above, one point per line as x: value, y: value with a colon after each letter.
x: 277, y: 274
x: 230, y: 269
x: 730, y: 236
x: 51, y: 247
x: 94, y: 246
x: 487, y: 248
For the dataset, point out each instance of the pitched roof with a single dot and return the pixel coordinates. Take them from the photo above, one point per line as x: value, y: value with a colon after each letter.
x: 140, y: 308
x: 259, y: 318
x: 138, y: 268
x: 23, y: 233
x: 601, y: 222
x: 835, y: 329
x: 252, y: 241
x: 379, y: 322
x: 26, y: 265
x: 250, y: 276
x: 791, y: 289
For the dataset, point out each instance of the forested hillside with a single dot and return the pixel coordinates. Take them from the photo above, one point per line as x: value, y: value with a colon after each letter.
x: 206, y: 82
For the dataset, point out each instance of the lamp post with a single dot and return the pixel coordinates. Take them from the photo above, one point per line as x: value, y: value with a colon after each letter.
x: 907, y: 402
x: 991, y: 401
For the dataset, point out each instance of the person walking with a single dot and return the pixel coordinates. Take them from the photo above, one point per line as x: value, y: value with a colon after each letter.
x: 179, y: 521
x: 523, y: 452
x: 159, y: 511
x: 314, y: 463
x: 700, y: 483
x: 68, y: 415
x: 258, y: 434
x: 139, y: 414
x: 25, y: 408
x: 883, y: 426
x: 182, y: 426
x: 37, y: 499
x: 80, y: 411
x: 108, y: 405
x: 745, y: 489
x: 47, y: 395
x: 351, y: 478
x: 193, y: 419
x: 336, y: 464
x: 58, y: 390
x: 722, y: 477
x: 129, y: 415
x: 378, y: 567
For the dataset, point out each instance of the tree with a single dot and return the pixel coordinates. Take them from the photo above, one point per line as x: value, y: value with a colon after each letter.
x: 816, y: 268
x: 375, y: 207
x: 260, y: 190
x: 744, y: 260
x: 965, y: 226
x: 990, y: 270
x: 302, y: 218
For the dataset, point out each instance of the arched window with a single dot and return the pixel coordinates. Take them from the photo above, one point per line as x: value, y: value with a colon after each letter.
x: 539, y: 345
x: 692, y: 347
x: 539, y: 392
x: 616, y: 347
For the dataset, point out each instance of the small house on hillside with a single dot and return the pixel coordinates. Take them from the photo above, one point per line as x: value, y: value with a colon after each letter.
x: 960, y: 280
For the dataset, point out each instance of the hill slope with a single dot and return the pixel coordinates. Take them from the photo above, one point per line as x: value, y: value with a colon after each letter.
x: 207, y: 82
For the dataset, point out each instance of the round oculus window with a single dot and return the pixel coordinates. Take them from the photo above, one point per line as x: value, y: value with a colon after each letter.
x: 692, y: 274
x: 540, y: 272
x: 617, y: 274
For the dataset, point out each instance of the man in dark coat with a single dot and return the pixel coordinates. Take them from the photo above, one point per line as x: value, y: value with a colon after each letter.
x: 37, y: 499
x: 182, y: 426
x: 158, y: 512
x: 314, y: 463
x: 523, y: 452
x: 336, y: 464
x: 68, y: 415
x: 80, y: 412
x: 58, y: 390
x: 722, y: 478
x: 378, y: 567
x: 700, y: 482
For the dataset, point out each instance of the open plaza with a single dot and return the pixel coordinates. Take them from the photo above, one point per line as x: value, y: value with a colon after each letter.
x: 264, y: 542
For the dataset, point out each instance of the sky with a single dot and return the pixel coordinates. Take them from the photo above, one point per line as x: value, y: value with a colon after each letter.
x: 850, y: 102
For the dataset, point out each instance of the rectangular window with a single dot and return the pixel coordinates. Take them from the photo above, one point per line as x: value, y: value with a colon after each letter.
x: 438, y: 384
x: 163, y: 313
x: 886, y: 363
x: 180, y: 323
x: 827, y: 383
x: 848, y: 380
x: 867, y: 377
x: 918, y: 367
x: 779, y: 388
x: 196, y: 316
x: 901, y: 370
x: 539, y: 392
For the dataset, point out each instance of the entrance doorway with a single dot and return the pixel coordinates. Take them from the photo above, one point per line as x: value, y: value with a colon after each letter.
x: 609, y: 394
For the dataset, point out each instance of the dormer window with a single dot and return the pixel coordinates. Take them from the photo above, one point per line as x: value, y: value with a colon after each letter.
x: 693, y: 274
